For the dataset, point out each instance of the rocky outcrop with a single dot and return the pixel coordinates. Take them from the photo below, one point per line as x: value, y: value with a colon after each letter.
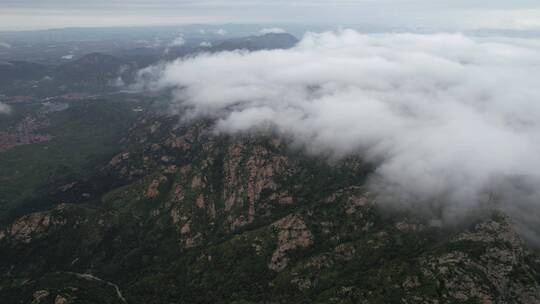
x: 482, y: 265
x: 205, y: 218
x: 60, y: 300
x: 40, y: 296
x: 292, y: 233
x: 33, y: 225
x: 26, y: 132
x: 250, y: 171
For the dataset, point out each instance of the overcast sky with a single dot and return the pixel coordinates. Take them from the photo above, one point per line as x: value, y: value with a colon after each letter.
x: 454, y: 14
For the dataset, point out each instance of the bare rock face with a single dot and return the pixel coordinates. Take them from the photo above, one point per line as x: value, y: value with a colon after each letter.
x: 182, y: 142
x: 40, y: 296
x: 153, y: 191
x: 208, y: 218
x: 482, y: 265
x: 117, y: 159
x: 292, y: 233
x: 23, y: 229
x: 60, y: 300
x: 34, y: 224
x: 500, y: 230
x: 26, y: 132
x: 405, y: 226
x: 250, y: 171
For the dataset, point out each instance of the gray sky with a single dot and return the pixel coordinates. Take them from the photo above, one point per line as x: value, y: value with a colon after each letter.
x: 455, y: 14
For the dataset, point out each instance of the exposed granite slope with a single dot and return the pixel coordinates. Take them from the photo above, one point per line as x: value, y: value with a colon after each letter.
x: 183, y: 215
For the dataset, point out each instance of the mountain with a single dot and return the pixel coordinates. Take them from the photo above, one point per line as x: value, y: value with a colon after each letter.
x: 22, y: 71
x: 102, y: 69
x: 254, y: 43
x: 184, y: 215
x: 269, y: 41
x: 96, y: 71
x: 91, y: 71
x: 94, y: 68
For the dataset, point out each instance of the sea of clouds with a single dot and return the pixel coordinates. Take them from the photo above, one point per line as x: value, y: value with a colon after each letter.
x: 445, y: 117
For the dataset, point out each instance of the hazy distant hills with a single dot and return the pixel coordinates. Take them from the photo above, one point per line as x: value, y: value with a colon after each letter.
x: 22, y: 70
x: 254, y: 43
x: 251, y: 43
x: 93, y: 68
x: 99, y: 69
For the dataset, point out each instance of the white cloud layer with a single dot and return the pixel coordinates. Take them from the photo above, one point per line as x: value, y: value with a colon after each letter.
x: 178, y: 41
x: 4, y: 108
x: 220, y: 32
x: 445, y: 116
x: 272, y: 30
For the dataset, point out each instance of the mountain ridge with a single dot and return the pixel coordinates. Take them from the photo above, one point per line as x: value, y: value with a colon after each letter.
x: 185, y: 215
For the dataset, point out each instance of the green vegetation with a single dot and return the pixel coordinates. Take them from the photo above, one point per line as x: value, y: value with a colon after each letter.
x: 191, y: 217
x: 83, y: 136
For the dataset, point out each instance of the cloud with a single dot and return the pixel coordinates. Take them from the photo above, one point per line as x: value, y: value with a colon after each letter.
x: 220, y: 32
x: 444, y: 117
x: 4, y: 108
x: 273, y: 30
x: 205, y: 44
x: 178, y: 41
x: 513, y: 19
x: 5, y: 45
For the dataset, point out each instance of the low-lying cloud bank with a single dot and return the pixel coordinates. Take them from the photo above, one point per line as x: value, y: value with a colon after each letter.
x: 4, y: 108
x: 272, y: 30
x: 445, y: 116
